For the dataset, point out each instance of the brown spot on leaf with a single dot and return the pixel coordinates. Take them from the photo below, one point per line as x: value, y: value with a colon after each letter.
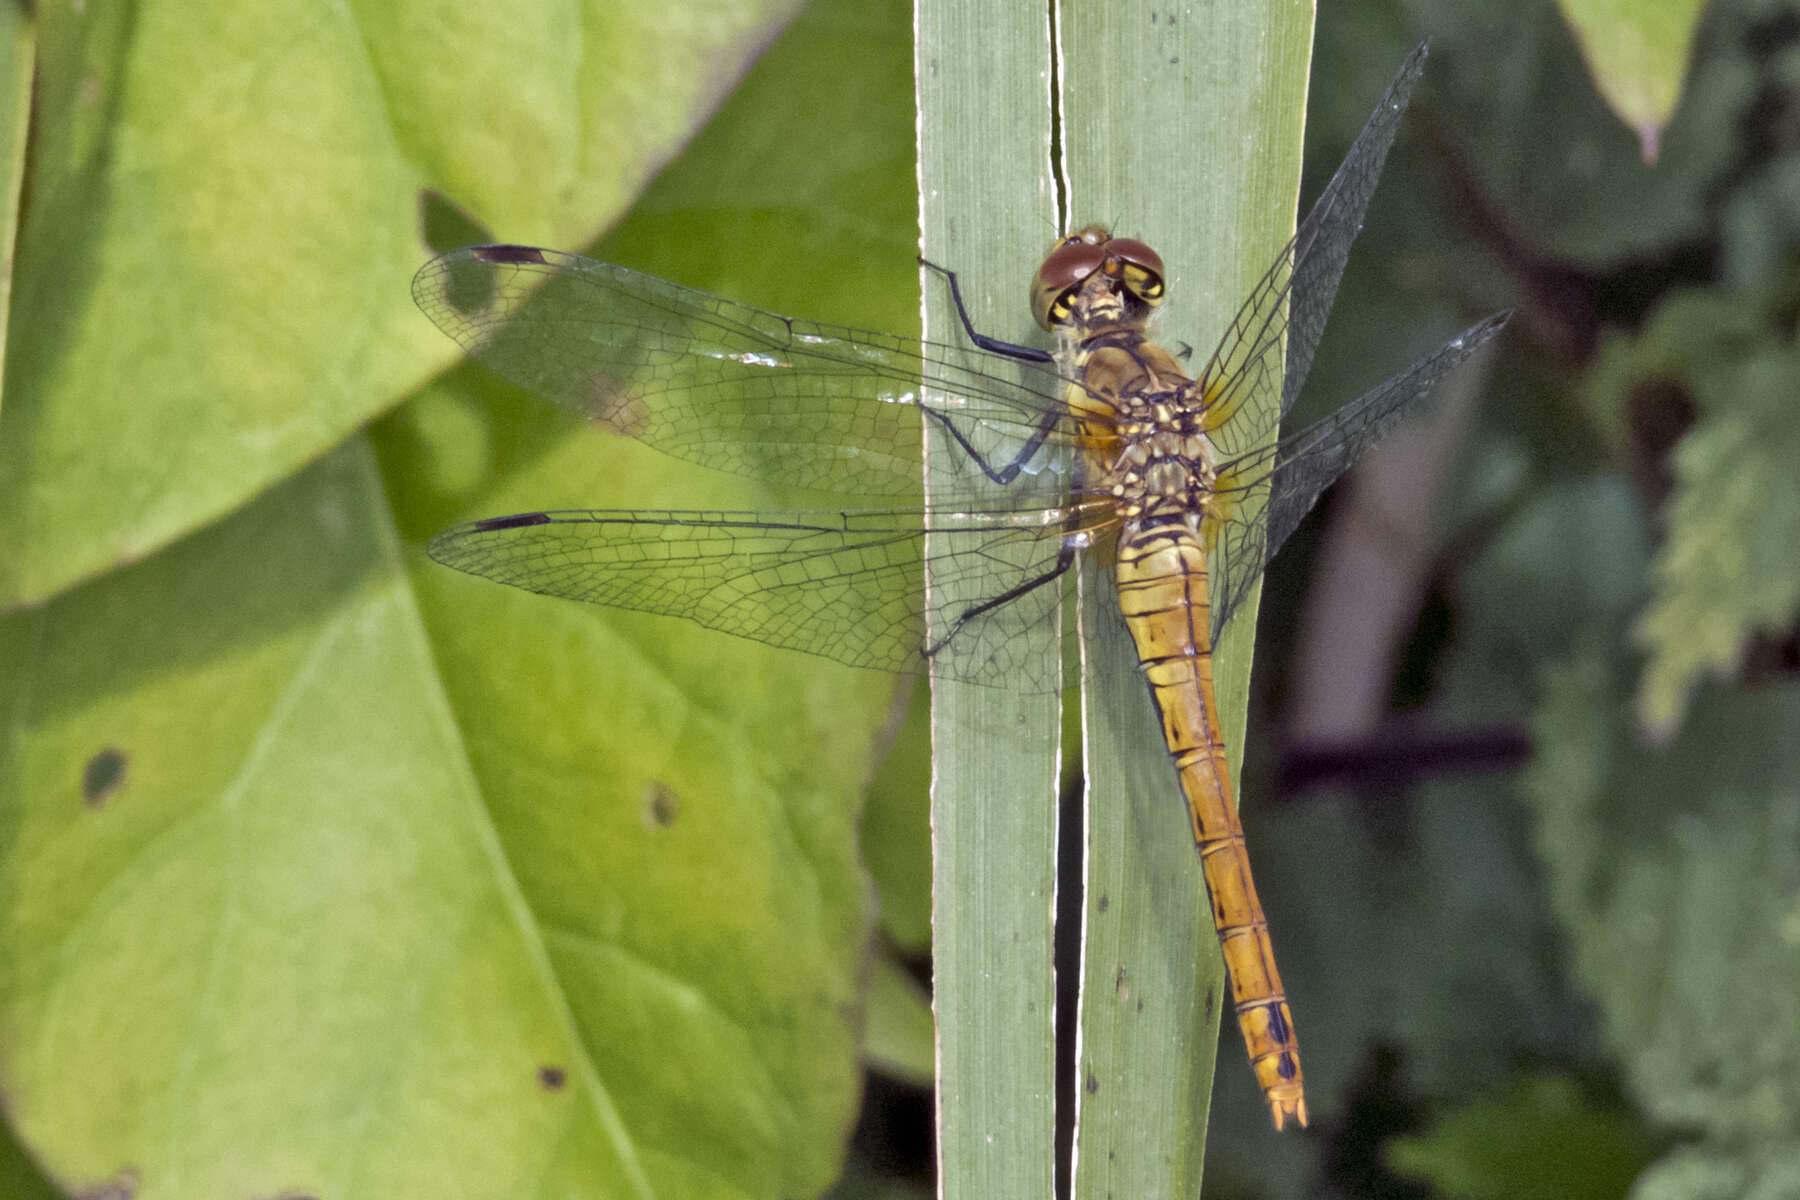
x: 662, y: 804
x: 552, y: 1079
x: 103, y: 775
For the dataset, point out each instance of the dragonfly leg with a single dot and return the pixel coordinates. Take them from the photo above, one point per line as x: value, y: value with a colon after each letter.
x: 992, y: 345
x: 1065, y: 558
x: 1006, y: 474
x: 1031, y: 354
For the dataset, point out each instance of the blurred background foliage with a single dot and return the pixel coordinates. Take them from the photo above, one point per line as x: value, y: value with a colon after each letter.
x: 1523, y: 785
x: 1543, y: 893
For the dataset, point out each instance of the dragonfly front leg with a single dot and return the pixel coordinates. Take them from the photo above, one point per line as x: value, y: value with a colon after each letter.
x: 991, y: 344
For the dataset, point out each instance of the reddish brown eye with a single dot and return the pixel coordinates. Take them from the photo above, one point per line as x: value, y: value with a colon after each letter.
x: 1138, y: 267
x: 1137, y: 254
x: 1072, y: 261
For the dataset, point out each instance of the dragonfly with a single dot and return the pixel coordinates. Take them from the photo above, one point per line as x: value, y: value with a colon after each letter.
x: 1104, y: 445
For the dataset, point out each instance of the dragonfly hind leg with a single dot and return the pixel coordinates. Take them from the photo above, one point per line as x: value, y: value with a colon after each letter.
x: 1065, y: 558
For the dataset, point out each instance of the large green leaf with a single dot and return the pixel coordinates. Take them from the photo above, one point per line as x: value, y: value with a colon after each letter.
x: 896, y: 829
x: 224, y: 211
x: 391, y: 882
x: 262, y: 939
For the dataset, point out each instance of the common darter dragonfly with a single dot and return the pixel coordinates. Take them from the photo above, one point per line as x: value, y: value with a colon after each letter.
x: 1105, y: 445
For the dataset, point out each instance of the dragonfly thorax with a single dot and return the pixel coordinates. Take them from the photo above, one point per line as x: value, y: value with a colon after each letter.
x: 1163, y: 465
x: 1144, y: 425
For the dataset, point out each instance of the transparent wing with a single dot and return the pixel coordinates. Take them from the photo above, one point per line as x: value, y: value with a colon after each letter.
x: 729, y: 386
x: 1300, y: 467
x: 1291, y: 302
x: 848, y: 586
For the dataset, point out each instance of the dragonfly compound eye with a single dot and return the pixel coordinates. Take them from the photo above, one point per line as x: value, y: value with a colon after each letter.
x: 1138, y: 267
x: 1069, y: 262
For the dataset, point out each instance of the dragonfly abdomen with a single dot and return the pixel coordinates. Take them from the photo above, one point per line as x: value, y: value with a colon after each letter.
x: 1142, y: 423
x: 1162, y: 585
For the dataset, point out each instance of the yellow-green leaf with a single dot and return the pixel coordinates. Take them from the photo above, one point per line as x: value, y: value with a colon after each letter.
x: 224, y: 211
x: 1638, y: 54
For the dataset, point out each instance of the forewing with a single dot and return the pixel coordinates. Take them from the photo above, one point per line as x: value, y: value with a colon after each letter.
x: 1322, y: 243
x: 1293, y: 298
x: 1298, y: 469
x: 848, y: 586
x: 719, y: 383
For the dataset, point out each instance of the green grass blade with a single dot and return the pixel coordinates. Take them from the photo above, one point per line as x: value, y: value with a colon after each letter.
x: 985, y: 210
x: 1185, y: 133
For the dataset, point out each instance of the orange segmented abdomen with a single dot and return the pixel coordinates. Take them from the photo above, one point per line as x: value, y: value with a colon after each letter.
x: 1161, y: 575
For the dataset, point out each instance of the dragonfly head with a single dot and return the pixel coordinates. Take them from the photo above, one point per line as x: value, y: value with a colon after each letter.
x: 1135, y: 270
